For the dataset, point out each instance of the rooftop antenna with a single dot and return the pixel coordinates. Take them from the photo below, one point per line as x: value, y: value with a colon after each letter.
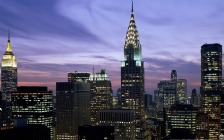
x: 132, y: 9
x: 93, y: 73
x: 8, y: 35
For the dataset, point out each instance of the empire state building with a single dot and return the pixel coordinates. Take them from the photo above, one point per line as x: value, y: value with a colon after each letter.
x: 8, y: 81
x: 132, y: 76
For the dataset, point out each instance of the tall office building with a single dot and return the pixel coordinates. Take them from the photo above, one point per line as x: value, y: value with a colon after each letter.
x: 35, y: 104
x: 167, y: 94
x: 166, y: 98
x: 181, y: 91
x: 194, y: 97
x: 181, y: 87
x: 211, y: 83
x: 101, y: 94
x: 119, y: 96
x: 132, y: 76
x: 147, y: 101
x: 101, y: 91
x: 73, y: 108
x: 8, y: 82
x: 222, y: 108
x: 173, y: 75
x: 170, y: 92
x: 155, y: 96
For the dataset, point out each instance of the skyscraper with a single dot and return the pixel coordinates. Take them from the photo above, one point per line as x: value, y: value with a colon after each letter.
x: 8, y: 81
x: 35, y: 104
x: 101, y: 91
x: 181, y: 91
x: 101, y: 94
x: 181, y: 87
x: 211, y: 83
x: 194, y: 97
x: 73, y: 108
x: 167, y: 94
x: 173, y: 75
x: 222, y: 108
x: 132, y: 76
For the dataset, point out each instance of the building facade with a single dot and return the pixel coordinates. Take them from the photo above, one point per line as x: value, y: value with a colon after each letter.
x: 202, y: 125
x: 222, y: 109
x: 101, y: 94
x: 35, y: 104
x: 183, y: 116
x: 211, y: 83
x: 166, y: 94
x: 122, y: 120
x: 78, y: 76
x: 181, y: 91
x: 8, y: 82
x: 73, y: 108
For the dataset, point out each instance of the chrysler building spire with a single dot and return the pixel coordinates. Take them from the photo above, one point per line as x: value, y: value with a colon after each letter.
x: 132, y: 40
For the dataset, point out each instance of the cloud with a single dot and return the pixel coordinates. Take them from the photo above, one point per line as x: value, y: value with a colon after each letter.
x: 34, y: 18
x: 30, y: 72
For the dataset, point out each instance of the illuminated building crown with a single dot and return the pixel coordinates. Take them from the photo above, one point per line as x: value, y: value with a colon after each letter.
x: 9, y: 59
x: 132, y: 39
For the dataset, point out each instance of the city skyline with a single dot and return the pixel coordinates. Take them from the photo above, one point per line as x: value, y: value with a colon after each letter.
x: 67, y: 36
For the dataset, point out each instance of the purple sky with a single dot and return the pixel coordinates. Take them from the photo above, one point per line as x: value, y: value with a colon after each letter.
x: 53, y: 37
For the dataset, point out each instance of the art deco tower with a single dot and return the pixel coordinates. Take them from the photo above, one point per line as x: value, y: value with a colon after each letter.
x: 132, y: 76
x: 8, y: 80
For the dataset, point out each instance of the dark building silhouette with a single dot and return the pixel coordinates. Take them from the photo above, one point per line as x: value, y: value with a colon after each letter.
x: 28, y: 132
x: 119, y: 96
x: 211, y: 83
x: 88, y: 132
x: 8, y: 82
x: 132, y: 76
x: 180, y: 133
x: 194, y: 97
x: 147, y: 101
